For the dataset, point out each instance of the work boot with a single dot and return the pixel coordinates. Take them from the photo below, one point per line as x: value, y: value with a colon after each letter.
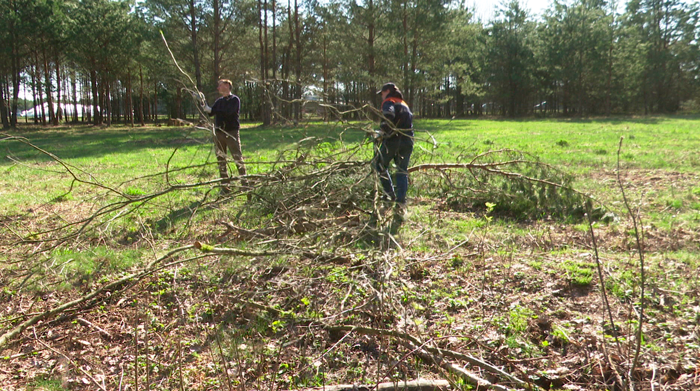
x: 400, y: 209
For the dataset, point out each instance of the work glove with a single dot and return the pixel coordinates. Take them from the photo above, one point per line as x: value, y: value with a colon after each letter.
x: 201, y: 99
x: 378, y: 135
x: 386, y: 129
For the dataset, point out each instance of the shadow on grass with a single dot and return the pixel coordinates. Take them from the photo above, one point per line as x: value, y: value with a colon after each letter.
x: 644, y: 120
x: 84, y: 141
x: 165, y: 224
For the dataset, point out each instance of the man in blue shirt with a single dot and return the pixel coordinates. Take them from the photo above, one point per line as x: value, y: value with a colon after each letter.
x: 226, y: 110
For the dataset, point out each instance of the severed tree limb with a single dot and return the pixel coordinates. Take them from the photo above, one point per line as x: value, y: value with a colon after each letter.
x: 101, y: 387
x: 413, y: 385
x: 151, y: 268
x: 437, y: 354
x: 444, y: 166
x: 90, y: 324
x: 298, y: 227
x: 450, y: 367
x: 205, y: 248
x: 488, y: 167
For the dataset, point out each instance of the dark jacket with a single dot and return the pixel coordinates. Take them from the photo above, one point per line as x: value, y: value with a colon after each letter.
x: 397, y: 111
x: 227, y: 109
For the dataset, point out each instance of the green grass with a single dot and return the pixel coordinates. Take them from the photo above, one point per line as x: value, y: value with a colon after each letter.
x: 133, y: 160
x: 130, y: 160
x: 581, y: 145
x: 122, y: 153
x: 46, y: 385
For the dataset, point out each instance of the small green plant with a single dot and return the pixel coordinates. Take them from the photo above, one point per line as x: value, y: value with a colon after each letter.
x: 63, y: 198
x: 46, y: 385
x: 134, y: 191
x: 560, y: 334
x: 489, y: 209
x: 579, y: 273
x: 518, y: 318
x: 674, y: 203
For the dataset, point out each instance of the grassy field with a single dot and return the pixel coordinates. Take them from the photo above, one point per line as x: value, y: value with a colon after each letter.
x: 484, y: 264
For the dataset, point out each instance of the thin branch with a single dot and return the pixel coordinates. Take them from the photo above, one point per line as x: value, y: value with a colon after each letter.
x: 640, y: 251
x: 8, y: 336
x: 437, y: 351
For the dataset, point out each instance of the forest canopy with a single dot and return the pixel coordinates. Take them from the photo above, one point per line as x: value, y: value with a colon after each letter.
x: 101, y: 61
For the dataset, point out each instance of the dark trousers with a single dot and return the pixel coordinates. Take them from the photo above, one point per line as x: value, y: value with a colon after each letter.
x: 229, y: 140
x: 398, y: 149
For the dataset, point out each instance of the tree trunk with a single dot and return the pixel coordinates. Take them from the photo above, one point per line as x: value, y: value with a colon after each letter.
x: 297, y: 87
x: 85, y: 100
x: 267, y: 53
x: 459, y: 99
x: 262, y: 32
x: 34, y: 104
x: 414, y: 60
x: 370, y: 53
x: 288, y: 89
x: 325, y: 72
x: 404, y: 39
x: 448, y: 112
x: 65, y: 94
x: 130, y: 100
x: 108, y: 100
x: 3, y: 108
x: 195, y: 48
x: 178, y: 104
x: 15, y: 92
x: 274, y: 39
x: 59, y: 112
x: 40, y: 88
x: 47, y: 83
x: 155, y: 102
x: 96, y: 115
x: 217, y: 37
x: 74, y: 90
x: 141, y: 96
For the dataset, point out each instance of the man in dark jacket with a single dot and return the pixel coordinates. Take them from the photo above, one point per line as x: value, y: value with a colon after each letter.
x: 396, y: 144
x: 226, y: 110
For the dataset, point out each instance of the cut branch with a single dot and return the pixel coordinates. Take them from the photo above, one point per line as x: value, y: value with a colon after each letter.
x: 414, y: 385
x: 438, y: 353
x: 116, y: 285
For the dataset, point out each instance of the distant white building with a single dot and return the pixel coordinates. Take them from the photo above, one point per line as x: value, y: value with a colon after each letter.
x: 67, y: 109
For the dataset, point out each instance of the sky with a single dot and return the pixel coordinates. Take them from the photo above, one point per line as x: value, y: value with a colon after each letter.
x: 486, y: 9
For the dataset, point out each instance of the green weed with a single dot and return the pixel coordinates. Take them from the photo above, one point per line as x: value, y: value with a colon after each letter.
x: 46, y: 385
x: 579, y: 273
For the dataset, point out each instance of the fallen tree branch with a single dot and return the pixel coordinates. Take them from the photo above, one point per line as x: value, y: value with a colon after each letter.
x: 5, y: 338
x: 101, y: 387
x: 453, y: 368
x: 90, y: 324
x: 413, y: 385
x: 205, y: 248
x: 297, y: 227
x: 439, y: 353
x: 642, y: 275
x: 488, y: 167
